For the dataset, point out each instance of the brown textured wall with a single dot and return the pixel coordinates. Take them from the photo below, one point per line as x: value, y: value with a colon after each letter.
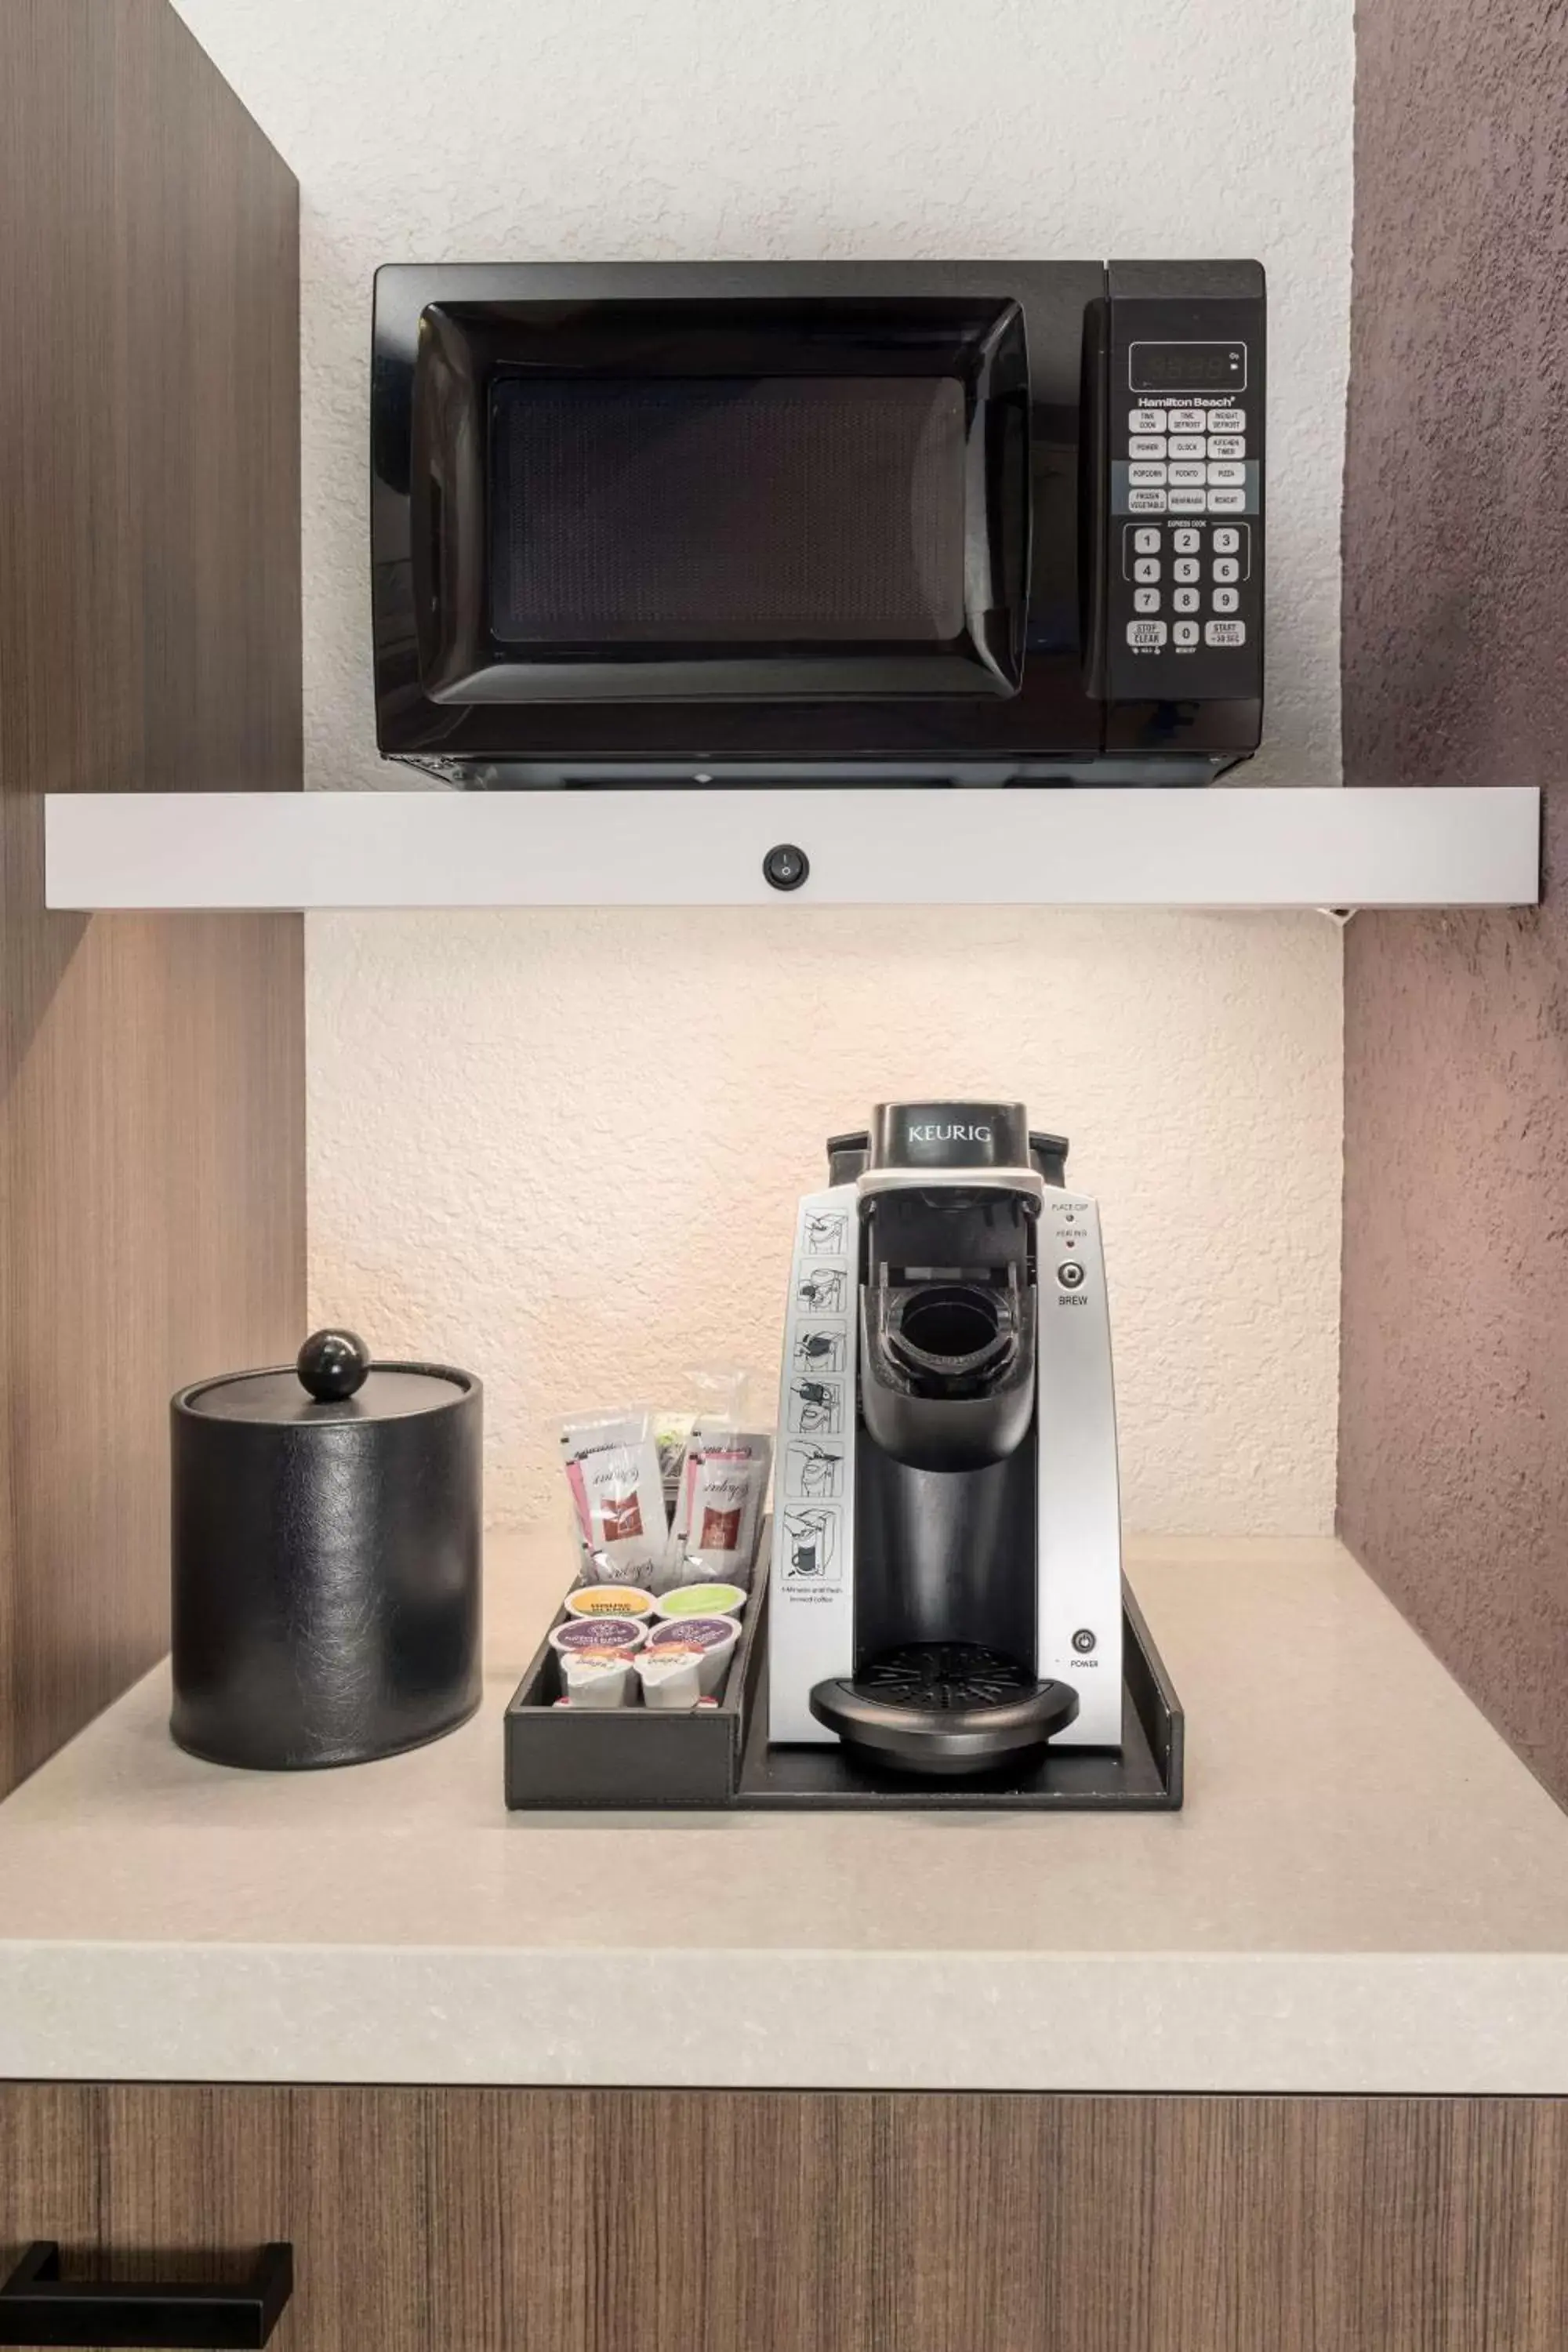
x: 1454, y: 1413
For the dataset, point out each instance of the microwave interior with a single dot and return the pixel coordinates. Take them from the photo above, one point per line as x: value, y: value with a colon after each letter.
x: 663, y: 523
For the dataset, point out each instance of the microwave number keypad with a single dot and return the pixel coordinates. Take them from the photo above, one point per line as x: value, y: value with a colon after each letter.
x: 1189, y: 489
x: 1187, y: 577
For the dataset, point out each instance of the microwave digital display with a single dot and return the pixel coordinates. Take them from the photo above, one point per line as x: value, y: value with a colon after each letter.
x: 1187, y: 367
x: 670, y: 509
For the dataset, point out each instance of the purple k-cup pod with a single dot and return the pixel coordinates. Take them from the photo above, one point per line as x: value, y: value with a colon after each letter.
x: 605, y: 1636
x: 710, y: 1640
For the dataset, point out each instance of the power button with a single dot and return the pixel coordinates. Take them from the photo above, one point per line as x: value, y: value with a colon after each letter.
x: 1070, y: 1273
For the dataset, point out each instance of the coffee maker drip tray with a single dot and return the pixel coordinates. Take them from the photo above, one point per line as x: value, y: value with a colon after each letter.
x: 946, y: 1708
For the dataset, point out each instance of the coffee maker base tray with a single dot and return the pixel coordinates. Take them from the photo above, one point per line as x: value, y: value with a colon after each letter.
x: 633, y: 1760
x: 1145, y: 1775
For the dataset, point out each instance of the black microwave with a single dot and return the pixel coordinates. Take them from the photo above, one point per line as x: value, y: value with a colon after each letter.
x: 893, y: 522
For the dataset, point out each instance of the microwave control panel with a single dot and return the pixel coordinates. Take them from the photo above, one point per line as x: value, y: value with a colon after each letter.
x: 1185, y: 449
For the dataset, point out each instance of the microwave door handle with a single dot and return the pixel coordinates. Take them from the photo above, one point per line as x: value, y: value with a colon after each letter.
x: 1094, y: 495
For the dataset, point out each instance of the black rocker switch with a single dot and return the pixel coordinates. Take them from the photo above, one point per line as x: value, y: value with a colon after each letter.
x: 786, y: 866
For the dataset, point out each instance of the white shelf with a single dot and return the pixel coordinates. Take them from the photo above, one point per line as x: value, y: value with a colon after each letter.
x: 1223, y: 848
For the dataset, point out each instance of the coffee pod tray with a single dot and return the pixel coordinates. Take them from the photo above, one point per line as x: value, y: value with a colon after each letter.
x: 641, y: 1759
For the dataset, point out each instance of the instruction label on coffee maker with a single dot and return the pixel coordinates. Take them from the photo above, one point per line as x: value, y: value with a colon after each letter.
x: 811, y: 1602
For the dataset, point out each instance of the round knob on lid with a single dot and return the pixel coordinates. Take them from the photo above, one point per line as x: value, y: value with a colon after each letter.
x: 332, y: 1365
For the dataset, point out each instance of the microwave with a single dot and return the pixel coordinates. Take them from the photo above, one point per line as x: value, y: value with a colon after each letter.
x: 938, y: 522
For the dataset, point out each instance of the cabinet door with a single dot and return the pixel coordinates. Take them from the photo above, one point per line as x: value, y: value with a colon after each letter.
x: 719, y: 2221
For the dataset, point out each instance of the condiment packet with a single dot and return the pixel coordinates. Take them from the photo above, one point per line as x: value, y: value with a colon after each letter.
x: 715, y: 1539
x: 612, y: 1469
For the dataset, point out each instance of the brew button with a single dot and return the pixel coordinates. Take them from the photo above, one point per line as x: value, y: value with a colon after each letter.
x: 1186, y: 600
x: 1225, y: 444
x: 1145, y: 478
x: 1226, y: 567
x: 1186, y: 478
x: 1186, y: 543
x: 1227, y: 501
x: 1228, y: 478
x: 1224, y: 632
x: 1225, y: 600
x: 1146, y: 569
x: 1145, y: 600
x: 1070, y: 1273
x: 1186, y: 567
x: 1228, y: 420
x: 1150, y: 633
x: 1188, y: 445
x: 1225, y: 540
x: 1146, y: 420
x: 1185, y: 634
x: 1146, y: 444
x: 1145, y: 501
x: 1147, y: 540
x: 1187, y: 420
x: 1183, y: 501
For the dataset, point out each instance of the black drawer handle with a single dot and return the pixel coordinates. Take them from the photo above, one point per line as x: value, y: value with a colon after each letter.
x: 39, y: 2306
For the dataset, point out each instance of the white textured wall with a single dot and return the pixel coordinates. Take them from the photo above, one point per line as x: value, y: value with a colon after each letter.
x: 560, y: 1147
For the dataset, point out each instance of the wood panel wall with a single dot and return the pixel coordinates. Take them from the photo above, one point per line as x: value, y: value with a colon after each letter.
x: 152, y: 1144
x: 725, y: 2221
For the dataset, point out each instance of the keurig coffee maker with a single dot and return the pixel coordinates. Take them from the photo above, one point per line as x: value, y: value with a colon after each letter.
x: 946, y: 1591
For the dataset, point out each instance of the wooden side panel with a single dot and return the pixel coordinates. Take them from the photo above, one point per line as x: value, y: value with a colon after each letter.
x: 152, y: 1080
x: 613, y: 2222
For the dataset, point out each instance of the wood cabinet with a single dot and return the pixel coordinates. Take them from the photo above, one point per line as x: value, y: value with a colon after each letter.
x: 152, y: 1069
x: 720, y: 2222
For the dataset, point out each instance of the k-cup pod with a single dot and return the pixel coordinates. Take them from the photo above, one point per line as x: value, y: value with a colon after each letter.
x: 671, y: 1679
x: 712, y: 1639
x: 608, y: 1637
x: 598, y: 1677
x: 701, y: 1600
x: 610, y: 1601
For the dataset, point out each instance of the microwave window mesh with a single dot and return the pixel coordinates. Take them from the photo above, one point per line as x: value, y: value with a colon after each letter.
x: 714, y: 510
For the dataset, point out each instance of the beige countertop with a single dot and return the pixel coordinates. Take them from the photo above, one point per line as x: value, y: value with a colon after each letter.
x: 1366, y: 1891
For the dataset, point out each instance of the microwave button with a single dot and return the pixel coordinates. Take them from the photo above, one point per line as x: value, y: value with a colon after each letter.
x: 1226, y: 567
x: 1188, y: 445
x: 1188, y: 501
x: 1186, y: 633
x: 1187, y: 420
x: 1226, y: 444
x: 1228, y: 478
x: 1228, y: 420
x: 1145, y: 600
x: 1225, y: 600
x: 1146, y: 540
x: 1146, y: 636
x: 1186, y: 566
x: 1146, y: 444
x: 1146, y: 501
x: 1226, y: 540
x: 1227, y: 501
x: 1146, y: 420
x: 1186, y: 543
x: 1186, y: 478
x: 1146, y: 477
x: 1224, y: 632
x: 1146, y: 568
x: 1185, y: 600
